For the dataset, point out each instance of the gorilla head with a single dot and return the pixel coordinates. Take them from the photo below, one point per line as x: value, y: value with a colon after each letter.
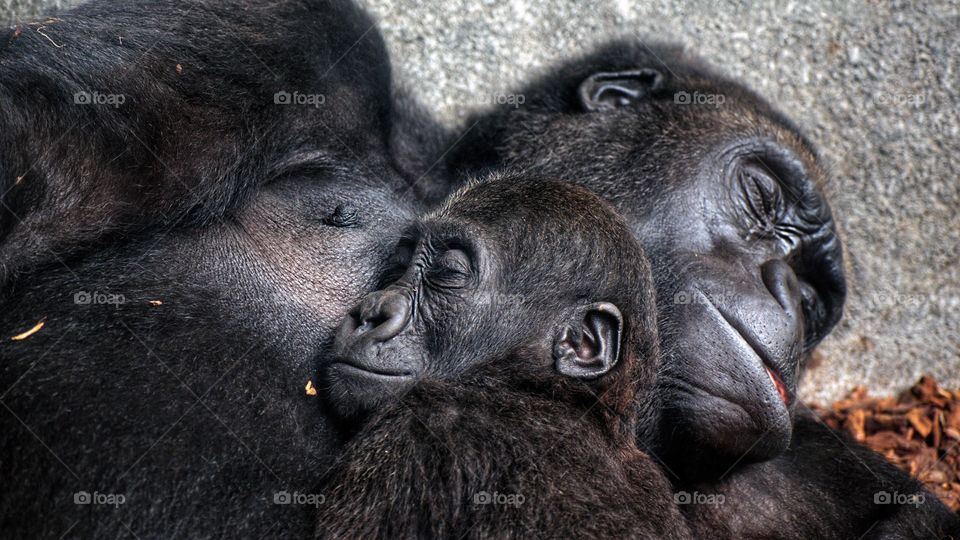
x: 507, y: 265
x: 723, y: 192
x: 520, y: 331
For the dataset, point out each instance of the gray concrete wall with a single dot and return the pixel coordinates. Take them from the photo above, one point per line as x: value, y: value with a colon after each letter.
x: 874, y: 83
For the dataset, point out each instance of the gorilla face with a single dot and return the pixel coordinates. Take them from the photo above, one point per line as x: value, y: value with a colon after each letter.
x: 749, y: 279
x: 748, y: 269
x: 514, y: 269
x: 722, y: 192
x: 409, y: 329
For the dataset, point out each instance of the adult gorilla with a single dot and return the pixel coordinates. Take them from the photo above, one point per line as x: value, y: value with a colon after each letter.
x: 725, y: 200
x: 193, y: 195
x: 723, y: 192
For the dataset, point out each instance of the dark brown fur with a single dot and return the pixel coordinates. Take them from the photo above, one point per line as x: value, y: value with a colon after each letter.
x: 419, y: 470
x: 557, y: 455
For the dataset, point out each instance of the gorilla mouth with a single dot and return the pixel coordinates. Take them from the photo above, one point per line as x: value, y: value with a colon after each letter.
x: 378, y: 372
x: 768, y: 366
x: 781, y: 389
x: 355, y: 391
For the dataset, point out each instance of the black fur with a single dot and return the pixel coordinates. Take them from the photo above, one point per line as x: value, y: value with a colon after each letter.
x: 825, y: 485
x: 230, y: 234
x: 425, y: 467
x: 493, y: 411
x: 686, y: 178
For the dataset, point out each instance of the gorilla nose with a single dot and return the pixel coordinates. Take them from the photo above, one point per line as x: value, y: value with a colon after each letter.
x: 784, y: 286
x: 380, y: 316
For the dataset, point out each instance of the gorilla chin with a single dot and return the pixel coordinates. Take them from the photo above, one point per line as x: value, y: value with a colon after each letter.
x: 734, y: 409
x: 700, y: 424
x: 354, y: 390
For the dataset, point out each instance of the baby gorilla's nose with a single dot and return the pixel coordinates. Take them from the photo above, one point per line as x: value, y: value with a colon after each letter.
x: 380, y: 316
x: 371, y: 360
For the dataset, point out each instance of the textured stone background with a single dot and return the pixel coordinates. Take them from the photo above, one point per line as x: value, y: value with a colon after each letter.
x: 875, y: 84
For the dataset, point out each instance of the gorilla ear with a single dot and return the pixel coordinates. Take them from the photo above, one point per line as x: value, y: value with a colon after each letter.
x: 608, y: 91
x: 590, y: 347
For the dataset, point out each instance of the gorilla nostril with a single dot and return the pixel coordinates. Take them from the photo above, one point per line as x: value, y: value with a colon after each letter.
x: 783, y: 285
x: 372, y: 321
x: 381, y: 316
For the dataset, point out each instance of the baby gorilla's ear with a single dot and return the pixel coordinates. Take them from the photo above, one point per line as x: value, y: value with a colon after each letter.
x: 608, y: 91
x: 589, y: 347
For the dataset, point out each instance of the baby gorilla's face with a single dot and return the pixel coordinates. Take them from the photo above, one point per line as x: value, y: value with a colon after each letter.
x: 433, y: 299
x: 450, y: 304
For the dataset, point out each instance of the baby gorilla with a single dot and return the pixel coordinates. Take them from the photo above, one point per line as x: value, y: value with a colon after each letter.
x: 502, y: 369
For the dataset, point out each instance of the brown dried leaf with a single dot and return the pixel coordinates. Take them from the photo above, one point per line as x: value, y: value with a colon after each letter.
x: 921, y: 423
x: 918, y: 431
x: 24, y: 335
x: 855, y: 424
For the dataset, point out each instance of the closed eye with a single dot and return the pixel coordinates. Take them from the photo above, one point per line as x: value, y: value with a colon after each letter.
x: 763, y: 198
x: 344, y: 215
x: 453, y: 269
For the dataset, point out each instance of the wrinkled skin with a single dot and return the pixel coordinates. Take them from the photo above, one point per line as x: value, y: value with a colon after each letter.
x: 725, y: 201
x: 229, y: 233
x: 755, y: 271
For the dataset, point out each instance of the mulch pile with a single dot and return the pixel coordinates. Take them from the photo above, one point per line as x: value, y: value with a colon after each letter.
x: 919, y: 431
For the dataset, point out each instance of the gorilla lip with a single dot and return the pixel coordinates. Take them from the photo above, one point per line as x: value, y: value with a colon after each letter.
x: 354, y: 366
x: 771, y: 372
x: 781, y: 389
